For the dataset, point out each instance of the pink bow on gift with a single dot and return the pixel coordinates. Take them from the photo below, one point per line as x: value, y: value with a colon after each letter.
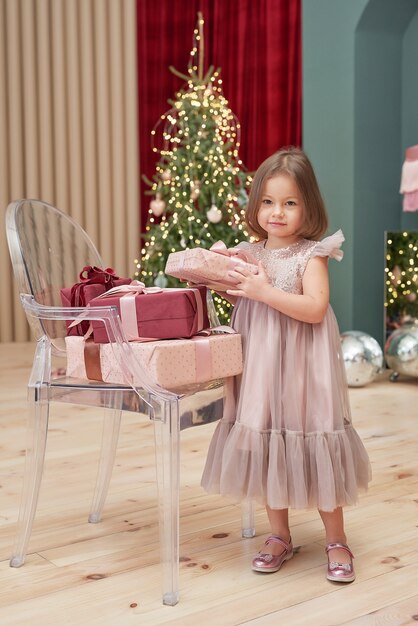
x: 93, y: 274
x: 127, y: 304
x: 238, y: 253
x: 134, y: 287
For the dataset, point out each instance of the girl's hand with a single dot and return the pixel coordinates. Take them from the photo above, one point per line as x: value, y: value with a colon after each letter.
x: 252, y: 286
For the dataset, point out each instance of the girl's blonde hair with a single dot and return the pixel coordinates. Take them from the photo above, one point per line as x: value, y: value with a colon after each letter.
x: 293, y: 162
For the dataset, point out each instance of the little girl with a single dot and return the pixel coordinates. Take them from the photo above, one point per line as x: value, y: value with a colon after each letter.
x: 286, y: 437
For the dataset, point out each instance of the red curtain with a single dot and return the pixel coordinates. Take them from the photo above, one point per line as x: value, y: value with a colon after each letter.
x: 257, y: 45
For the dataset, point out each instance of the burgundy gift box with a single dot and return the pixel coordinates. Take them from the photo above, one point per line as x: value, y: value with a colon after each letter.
x: 93, y: 282
x: 154, y: 313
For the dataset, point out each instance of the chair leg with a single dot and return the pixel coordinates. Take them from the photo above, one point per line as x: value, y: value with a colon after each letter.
x: 167, y: 431
x: 37, y: 428
x: 247, y: 519
x: 110, y: 437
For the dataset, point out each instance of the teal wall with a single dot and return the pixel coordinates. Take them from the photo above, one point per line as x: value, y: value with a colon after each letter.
x: 359, y: 89
x: 410, y: 101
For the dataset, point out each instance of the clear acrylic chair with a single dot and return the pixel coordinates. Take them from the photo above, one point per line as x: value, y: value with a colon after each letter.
x: 48, y: 249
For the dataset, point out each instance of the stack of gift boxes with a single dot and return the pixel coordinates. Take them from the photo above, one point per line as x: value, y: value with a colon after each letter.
x: 168, y: 328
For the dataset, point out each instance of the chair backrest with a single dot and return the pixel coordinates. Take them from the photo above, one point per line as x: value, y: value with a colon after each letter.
x: 48, y: 250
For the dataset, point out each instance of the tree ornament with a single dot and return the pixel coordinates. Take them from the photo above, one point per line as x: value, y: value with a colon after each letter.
x: 363, y: 357
x: 411, y: 297
x: 406, y: 319
x: 397, y: 274
x: 157, y: 205
x: 183, y: 242
x: 214, y: 214
x: 166, y: 175
x: 194, y: 189
x: 401, y: 351
x: 161, y: 280
x: 242, y: 198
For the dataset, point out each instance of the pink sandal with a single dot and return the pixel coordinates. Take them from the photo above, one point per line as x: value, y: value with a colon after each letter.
x: 340, y: 572
x: 263, y: 562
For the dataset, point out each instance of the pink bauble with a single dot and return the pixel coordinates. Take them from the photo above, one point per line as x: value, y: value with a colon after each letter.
x: 157, y: 205
x: 397, y: 274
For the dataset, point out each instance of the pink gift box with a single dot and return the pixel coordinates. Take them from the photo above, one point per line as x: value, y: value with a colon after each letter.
x: 209, y: 267
x: 172, y: 364
x: 154, y: 312
x: 93, y: 282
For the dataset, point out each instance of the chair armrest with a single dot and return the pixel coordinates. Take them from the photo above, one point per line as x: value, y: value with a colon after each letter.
x: 122, y: 351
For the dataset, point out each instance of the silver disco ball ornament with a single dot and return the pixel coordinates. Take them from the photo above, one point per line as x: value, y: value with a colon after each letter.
x: 363, y: 357
x: 401, y: 351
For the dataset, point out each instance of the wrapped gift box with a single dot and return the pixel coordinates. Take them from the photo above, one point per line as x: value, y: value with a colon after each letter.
x: 94, y: 281
x: 173, y: 364
x: 154, y: 312
x: 209, y: 267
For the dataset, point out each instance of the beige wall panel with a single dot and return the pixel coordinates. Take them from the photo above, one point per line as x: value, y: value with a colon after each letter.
x: 6, y: 313
x: 89, y: 119
x: 116, y: 64
x: 104, y: 163
x: 69, y: 128
x: 131, y: 131
x: 16, y: 145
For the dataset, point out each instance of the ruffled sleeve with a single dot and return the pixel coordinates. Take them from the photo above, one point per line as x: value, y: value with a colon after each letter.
x: 330, y: 246
x: 242, y: 245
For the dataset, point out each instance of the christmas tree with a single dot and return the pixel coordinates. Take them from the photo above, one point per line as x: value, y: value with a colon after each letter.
x: 401, y: 278
x: 200, y: 185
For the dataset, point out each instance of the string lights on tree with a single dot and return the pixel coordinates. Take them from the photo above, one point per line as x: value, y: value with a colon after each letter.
x: 402, y: 277
x: 200, y: 185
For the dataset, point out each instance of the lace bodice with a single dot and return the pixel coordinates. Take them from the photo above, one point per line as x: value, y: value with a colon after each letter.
x: 285, y: 266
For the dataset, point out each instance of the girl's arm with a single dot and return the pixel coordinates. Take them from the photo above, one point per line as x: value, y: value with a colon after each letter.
x: 309, y: 307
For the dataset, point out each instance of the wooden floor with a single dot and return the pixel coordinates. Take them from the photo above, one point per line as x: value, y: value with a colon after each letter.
x: 108, y: 574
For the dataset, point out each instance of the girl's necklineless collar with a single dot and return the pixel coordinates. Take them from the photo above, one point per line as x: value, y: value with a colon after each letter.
x: 291, y: 245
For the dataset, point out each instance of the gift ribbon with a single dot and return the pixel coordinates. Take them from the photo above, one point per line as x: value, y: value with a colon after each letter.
x: 203, y: 354
x: 127, y: 305
x: 202, y: 359
x: 238, y: 254
x: 93, y: 274
x: 92, y: 360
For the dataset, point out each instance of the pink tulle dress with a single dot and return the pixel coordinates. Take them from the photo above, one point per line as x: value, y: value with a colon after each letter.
x: 286, y: 437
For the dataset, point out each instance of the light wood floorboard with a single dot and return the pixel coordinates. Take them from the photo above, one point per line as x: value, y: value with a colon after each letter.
x: 108, y: 574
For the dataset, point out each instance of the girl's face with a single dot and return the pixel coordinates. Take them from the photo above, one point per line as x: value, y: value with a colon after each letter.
x: 281, y: 210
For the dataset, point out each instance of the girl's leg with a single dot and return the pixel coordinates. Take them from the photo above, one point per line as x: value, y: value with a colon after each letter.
x: 334, y: 530
x: 279, y: 522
